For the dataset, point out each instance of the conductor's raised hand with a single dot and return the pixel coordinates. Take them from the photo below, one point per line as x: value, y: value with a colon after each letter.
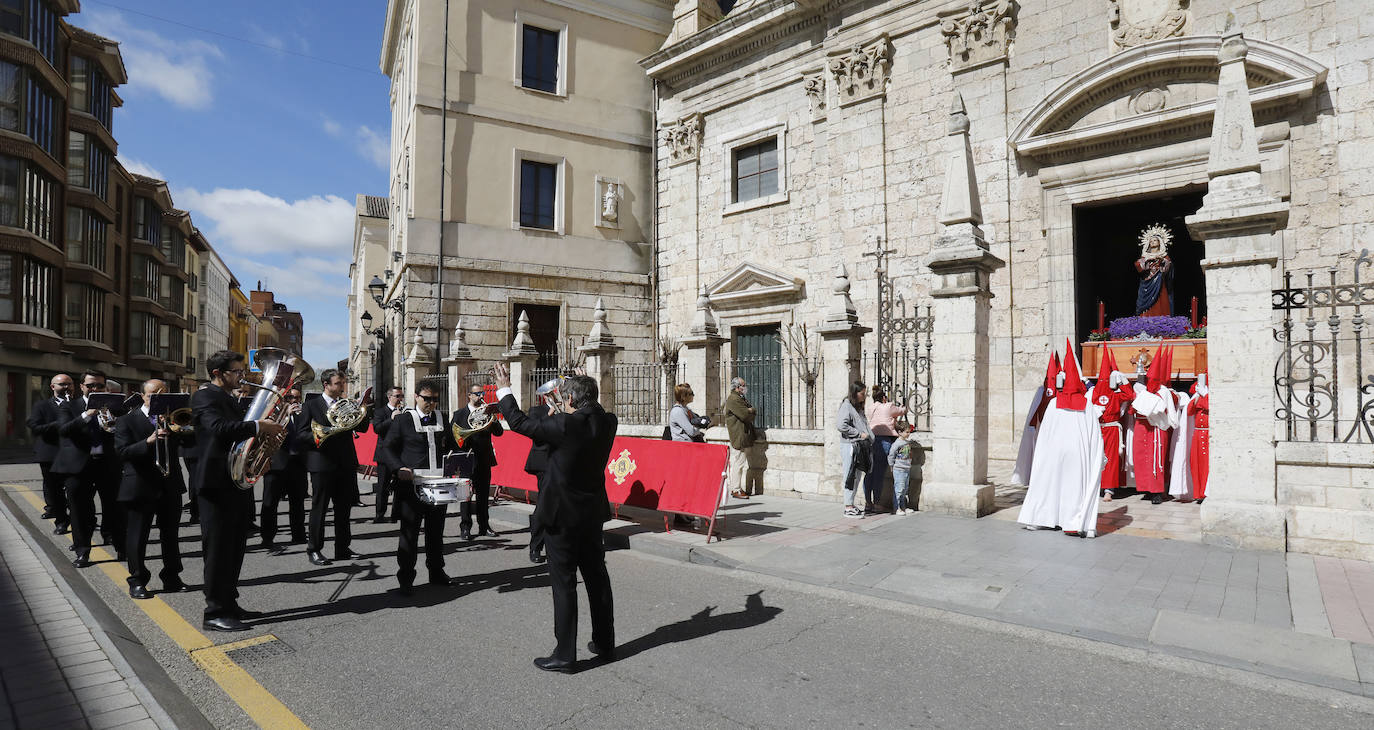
x: 501, y: 374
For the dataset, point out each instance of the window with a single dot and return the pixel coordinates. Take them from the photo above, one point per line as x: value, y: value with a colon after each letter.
x: 85, y: 238
x: 538, y: 189
x: 539, y: 59
x: 39, y: 203
x: 756, y: 170
x: 11, y: 96
x: 142, y: 334
x: 42, y: 117
x: 38, y: 25
x: 84, y: 314
x: 143, y: 277
x: 147, y: 221
x: 10, y: 200
x: 88, y: 164
x: 76, y: 159
x: 37, y: 293
x: 80, y: 80
x: 6, y: 287
x: 12, y: 17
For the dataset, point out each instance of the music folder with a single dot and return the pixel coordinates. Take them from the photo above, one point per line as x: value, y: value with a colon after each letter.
x: 112, y: 401
x: 163, y: 403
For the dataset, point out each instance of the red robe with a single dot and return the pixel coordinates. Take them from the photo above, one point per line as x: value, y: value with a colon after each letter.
x: 1150, y: 453
x: 1112, y: 437
x: 1197, y: 455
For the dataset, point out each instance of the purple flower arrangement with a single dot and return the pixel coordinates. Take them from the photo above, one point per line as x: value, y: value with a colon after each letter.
x: 1127, y: 328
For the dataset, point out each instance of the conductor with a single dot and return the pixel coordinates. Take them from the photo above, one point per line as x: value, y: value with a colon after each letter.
x: 572, y: 507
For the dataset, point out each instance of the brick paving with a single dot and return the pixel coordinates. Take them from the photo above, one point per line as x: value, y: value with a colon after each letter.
x: 54, y: 671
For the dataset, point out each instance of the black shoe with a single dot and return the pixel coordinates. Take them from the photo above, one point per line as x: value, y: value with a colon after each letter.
x: 224, y: 623
x: 298, y: 541
x: 46, y: 515
x: 1146, y: 495
x: 488, y: 532
x: 268, y: 544
x: 61, y: 528
x: 1157, y: 498
x: 359, y: 503
x: 175, y: 586
x: 439, y: 578
x: 465, y: 531
x: 244, y: 614
x: 346, y: 554
x: 1199, y: 500
x: 604, y: 654
x: 317, y: 558
x: 537, y: 557
x: 82, y: 561
x: 549, y: 664
x: 140, y: 592
x: 379, y: 520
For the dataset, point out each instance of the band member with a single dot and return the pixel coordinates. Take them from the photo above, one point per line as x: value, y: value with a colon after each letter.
x: 418, y: 439
x: 44, y: 423
x: 190, y: 452
x: 547, y: 404
x: 484, y: 456
x: 386, y: 476
x: 146, y: 448
x: 286, y: 479
x: 333, y: 467
x: 572, y: 507
x: 225, y: 509
x: 87, y: 460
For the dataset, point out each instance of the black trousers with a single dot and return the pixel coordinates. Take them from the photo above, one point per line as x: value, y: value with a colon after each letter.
x: 288, y: 485
x: 387, y: 486
x: 100, y: 478
x: 571, y: 552
x: 224, y: 517
x: 481, y: 492
x: 414, y: 514
x: 193, y: 493
x: 338, y: 487
x: 166, y: 512
x: 54, y: 494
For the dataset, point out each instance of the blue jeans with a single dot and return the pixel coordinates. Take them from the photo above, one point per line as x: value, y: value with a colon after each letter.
x: 848, y: 473
x: 900, y: 479
x: 873, y: 483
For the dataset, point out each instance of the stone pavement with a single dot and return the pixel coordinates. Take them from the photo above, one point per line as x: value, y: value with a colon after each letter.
x: 58, y: 668
x: 1293, y: 616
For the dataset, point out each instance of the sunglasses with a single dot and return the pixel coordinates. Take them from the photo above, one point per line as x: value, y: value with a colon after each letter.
x: 428, y: 398
x: 479, y: 395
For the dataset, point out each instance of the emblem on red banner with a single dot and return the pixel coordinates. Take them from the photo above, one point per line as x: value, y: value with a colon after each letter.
x: 622, y: 467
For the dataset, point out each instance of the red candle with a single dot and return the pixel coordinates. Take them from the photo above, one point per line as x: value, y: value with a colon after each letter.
x: 1193, y: 317
x: 1101, y: 314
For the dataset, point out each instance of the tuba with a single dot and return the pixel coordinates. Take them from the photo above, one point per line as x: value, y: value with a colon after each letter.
x: 478, y: 420
x: 343, y: 415
x: 251, y: 458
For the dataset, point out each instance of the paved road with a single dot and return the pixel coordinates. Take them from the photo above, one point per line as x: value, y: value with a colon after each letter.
x: 700, y: 647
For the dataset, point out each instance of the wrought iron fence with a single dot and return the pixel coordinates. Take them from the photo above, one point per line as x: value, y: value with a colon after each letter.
x: 783, y: 390
x: 901, y: 363
x: 644, y: 391
x: 1323, y: 390
x: 536, y: 378
x: 441, y: 380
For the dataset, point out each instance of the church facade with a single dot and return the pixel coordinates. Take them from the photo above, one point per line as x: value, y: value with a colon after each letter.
x: 1002, y: 160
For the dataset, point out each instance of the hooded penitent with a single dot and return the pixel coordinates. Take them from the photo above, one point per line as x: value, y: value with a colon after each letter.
x: 1025, y: 455
x: 1067, y: 465
x: 1112, y: 398
x: 1153, y: 405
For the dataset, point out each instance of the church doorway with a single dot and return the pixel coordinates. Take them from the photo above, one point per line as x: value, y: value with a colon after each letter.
x: 1107, y: 244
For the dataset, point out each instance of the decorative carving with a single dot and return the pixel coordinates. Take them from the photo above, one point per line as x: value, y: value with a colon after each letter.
x: 608, y: 194
x: 1135, y: 22
x: 979, y: 34
x: 861, y: 73
x: 1149, y: 99
x: 814, y: 86
x: 684, y: 139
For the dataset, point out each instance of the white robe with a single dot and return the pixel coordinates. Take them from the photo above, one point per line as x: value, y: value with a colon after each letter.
x: 1180, y: 445
x: 1025, y: 455
x: 1066, y: 472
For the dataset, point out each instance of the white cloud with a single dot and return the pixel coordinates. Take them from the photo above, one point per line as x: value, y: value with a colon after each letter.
x: 373, y: 147
x: 251, y: 221
x: 261, y: 35
x: 177, y: 70
x: 139, y: 167
x: 332, y: 128
x: 293, y: 282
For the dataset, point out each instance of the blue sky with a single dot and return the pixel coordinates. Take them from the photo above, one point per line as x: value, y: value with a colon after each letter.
x: 265, y: 119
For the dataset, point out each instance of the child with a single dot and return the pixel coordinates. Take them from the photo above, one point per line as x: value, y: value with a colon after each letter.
x: 900, y: 460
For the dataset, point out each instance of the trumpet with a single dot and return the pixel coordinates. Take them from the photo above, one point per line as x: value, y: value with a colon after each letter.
x: 106, y: 420
x: 343, y: 415
x: 478, y: 420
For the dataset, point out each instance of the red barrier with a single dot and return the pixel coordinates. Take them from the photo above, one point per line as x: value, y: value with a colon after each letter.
x: 667, y: 476
x: 365, y: 445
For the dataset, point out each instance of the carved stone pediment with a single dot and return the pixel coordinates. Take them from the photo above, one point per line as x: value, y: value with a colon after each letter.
x: 980, y: 33
x: 683, y: 138
x: 751, y: 284
x: 861, y: 72
x: 1136, y: 22
x: 1159, y: 92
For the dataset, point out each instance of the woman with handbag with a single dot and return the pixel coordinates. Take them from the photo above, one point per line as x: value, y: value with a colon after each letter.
x: 683, y: 424
x: 857, y: 440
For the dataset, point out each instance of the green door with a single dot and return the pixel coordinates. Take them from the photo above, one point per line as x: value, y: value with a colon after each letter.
x: 758, y: 359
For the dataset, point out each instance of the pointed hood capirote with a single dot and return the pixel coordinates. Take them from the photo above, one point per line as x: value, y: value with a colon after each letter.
x: 1073, y: 396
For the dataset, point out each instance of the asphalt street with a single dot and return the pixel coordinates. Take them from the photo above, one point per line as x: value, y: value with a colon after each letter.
x: 699, y: 646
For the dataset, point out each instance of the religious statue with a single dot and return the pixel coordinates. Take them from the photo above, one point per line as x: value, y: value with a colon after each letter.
x: 1155, y: 295
x: 610, y: 203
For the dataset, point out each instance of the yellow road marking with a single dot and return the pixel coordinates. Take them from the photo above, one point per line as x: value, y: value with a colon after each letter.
x: 262, y: 706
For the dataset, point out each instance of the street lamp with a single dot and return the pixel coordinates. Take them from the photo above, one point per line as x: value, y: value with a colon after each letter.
x: 377, y: 288
x: 377, y: 331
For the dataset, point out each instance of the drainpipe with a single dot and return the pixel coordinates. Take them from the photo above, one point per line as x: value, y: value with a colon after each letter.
x: 439, y: 350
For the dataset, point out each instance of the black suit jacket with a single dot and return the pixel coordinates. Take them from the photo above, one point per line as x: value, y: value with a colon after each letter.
x: 44, y: 423
x: 142, y: 480
x: 77, y: 437
x: 219, y: 425
x: 482, y: 450
x: 538, y: 457
x: 573, y: 488
x: 381, y: 424
x: 291, y: 455
x: 408, y: 448
x: 335, y: 454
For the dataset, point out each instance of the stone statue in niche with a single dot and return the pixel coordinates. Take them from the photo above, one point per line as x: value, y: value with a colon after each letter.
x: 610, y: 203
x: 1155, y: 295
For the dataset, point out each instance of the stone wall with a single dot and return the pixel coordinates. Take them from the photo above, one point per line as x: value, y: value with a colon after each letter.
x: 1327, y: 493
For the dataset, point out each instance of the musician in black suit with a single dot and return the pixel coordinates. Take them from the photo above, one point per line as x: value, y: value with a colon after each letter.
x: 419, y: 439
x: 148, y: 494
x: 538, y: 457
x: 44, y: 423
x: 87, y: 460
x: 386, y: 476
x: 484, y: 455
x: 571, y: 510
x: 286, y: 479
x: 225, y: 509
x: 333, y: 467
x: 190, y: 453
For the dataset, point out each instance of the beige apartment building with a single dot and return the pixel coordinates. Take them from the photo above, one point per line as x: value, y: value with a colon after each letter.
x: 542, y: 125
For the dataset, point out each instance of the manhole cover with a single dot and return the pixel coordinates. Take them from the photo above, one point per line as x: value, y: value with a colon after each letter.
x: 257, y: 652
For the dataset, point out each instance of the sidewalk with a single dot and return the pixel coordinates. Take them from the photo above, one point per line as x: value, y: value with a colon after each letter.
x: 1294, y: 616
x: 58, y: 668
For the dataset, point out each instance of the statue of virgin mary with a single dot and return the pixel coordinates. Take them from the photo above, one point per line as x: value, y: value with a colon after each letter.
x: 1155, y: 295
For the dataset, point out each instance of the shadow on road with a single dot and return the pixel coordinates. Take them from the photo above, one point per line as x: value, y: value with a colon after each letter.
x: 702, y: 623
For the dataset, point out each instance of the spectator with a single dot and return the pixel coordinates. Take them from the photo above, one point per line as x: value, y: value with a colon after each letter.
x: 682, y: 421
x: 882, y: 418
x: 900, y: 461
x: 858, y: 443
x: 739, y: 421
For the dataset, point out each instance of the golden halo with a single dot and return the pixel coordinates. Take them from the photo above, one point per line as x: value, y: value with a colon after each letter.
x: 1157, y: 231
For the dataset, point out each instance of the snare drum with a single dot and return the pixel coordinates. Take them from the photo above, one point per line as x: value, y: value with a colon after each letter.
x: 438, y: 490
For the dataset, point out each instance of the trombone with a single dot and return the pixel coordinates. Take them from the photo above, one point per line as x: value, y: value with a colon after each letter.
x: 178, y: 421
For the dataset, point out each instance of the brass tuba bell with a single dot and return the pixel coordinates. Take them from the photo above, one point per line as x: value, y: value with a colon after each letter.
x: 478, y: 420
x: 344, y: 415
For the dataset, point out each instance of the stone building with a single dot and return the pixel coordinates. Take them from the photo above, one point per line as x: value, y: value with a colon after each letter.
x: 367, y: 343
x: 521, y: 143
x: 212, y: 332
x: 286, y: 325
x: 1005, y: 157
